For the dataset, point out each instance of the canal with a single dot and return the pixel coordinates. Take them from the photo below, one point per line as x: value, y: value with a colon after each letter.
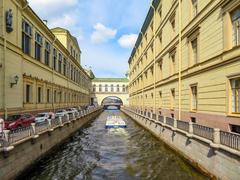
x: 98, y: 153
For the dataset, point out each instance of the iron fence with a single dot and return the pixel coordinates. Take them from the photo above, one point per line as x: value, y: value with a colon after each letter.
x: 230, y: 139
x: 183, y: 125
x: 203, y: 131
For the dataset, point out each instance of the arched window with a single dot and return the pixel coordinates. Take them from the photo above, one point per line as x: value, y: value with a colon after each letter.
x: 123, y: 88
x: 106, y: 88
x: 118, y: 88
x: 94, y: 88
x: 112, y: 88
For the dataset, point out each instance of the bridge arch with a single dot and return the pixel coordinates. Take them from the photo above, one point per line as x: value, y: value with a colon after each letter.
x: 110, y: 101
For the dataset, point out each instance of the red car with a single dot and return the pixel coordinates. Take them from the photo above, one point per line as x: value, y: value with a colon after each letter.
x: 18, y: 121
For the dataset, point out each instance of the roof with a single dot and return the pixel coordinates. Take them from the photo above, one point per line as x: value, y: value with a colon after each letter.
x: 110, y: 80
x: 145, y: 25
x: 60, y: 29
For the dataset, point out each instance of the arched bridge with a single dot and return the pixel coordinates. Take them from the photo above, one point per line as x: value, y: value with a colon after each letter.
x: 110, y: 92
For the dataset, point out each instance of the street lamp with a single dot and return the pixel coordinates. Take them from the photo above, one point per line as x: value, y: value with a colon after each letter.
x: 14, y: 81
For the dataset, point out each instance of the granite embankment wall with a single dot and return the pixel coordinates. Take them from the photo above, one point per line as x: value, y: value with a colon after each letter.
x: 28, y: 151
x: 215, y: 160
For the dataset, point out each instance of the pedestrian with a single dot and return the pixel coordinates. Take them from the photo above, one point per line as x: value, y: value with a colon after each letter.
x: 1, y: 127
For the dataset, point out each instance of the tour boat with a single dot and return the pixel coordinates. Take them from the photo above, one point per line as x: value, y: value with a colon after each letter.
x: 115, y: 122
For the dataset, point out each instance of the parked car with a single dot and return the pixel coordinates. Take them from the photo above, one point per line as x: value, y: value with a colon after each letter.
x: 71, y: 110
x: 42, y: 117
x: 18, y: 121
x: 61, y: 113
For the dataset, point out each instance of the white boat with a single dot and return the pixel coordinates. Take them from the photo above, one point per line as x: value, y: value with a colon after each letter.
x: 115, y: 122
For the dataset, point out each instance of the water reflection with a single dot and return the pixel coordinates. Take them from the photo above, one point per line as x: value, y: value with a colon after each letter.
x: 98, y: 153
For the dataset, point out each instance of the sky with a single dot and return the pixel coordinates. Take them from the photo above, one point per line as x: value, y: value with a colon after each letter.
x: 106, y: 29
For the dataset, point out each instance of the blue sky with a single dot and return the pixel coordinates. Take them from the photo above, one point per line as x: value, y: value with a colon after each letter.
x: 106, y: 29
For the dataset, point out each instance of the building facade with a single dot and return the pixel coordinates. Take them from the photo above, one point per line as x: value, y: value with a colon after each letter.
x: 103, y: 88
x: 39, y: 68
x: 186, y: 62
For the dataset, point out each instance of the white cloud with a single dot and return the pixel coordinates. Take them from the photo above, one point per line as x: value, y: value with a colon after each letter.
x: 128, y: 40
x: 102, y: 33
x: 66, y: 21
x: 52, y: 7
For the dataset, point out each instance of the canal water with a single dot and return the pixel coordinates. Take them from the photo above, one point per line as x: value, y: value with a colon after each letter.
x: 118, y: 154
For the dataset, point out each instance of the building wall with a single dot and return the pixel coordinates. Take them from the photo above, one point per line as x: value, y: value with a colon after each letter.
x: 153, y: 76
x: 13, y: 62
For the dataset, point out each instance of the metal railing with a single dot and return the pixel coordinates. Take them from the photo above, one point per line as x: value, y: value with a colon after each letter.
x: 154, y: 116
x: 169, y: 121
x: 19, y: 134
x: 183, y: 125
x: 55, y: 122
x: 40, y: 127
x: 203, y: 131
x: 230, y: 139
x: 160, y: 118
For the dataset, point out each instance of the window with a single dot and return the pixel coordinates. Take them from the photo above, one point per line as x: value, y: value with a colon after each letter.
x: 47, y: 53
x: 194, y: 45
x: 26, y: 37
x: 160, y: 12
x: 172, y: 21
x: 55, y: 96
x: 48, y: 95
x: 94, y: 88
x: 160, y: 68
x: 60, y: 63
x: 106, y: 88
x: 118, y: 89
x: 173, y: 63
x: 71, y: 72
x: 100, y: 88
x: 64, y: 66
x: 194, y: 7
x: 71, y: 50
x: 172, y: 98
x: 39, y: 95
x: 235, y: 86
x: 38, y: 46
x: 55, y: 59
x: 112, y: 89
x: 151, y: 26
x: 160, y: 38
x: 194, y: 98
x: 236, y: 27
x: 123, y: 88
x: 145, y: 37
x: 160, y: 98
x: 28, y: 93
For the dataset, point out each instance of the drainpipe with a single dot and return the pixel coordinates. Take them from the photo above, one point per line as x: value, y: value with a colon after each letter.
x: 142, y: 78
x: 68, y: 81
x: 53, y: 77
x: 4, y: 59
x: 154, y: 54
x: 180, y: 58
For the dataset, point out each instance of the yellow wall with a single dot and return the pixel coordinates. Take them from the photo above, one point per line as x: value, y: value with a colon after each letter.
x: 14, y: 62
x: 217, y: 60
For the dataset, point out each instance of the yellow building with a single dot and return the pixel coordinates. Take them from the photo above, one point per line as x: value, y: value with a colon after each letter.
x: 39, y: 68
x: 186, y: 63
